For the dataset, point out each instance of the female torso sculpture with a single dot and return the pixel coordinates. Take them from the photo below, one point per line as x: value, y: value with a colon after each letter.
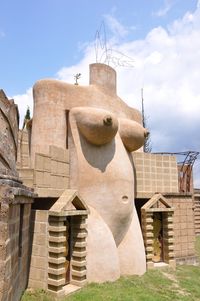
x: 102, y: 132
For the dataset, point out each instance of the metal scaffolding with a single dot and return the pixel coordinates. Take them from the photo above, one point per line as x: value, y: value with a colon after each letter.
x: 185, y: 166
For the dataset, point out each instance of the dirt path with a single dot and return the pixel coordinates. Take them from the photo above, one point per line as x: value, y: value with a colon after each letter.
x: 176, y: 284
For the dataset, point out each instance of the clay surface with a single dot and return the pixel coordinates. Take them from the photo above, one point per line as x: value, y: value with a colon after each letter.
x: 100, y: 131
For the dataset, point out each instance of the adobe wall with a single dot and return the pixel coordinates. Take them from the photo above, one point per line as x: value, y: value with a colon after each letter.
x: 15, y: 209
x: 9, y: 120
x: 157, y: 173
x: 23, y: 150
x: 184, y: 229
x: 50, y: 175
x: 39, y: 249
x: 197, y: 211
x: 52, y: 256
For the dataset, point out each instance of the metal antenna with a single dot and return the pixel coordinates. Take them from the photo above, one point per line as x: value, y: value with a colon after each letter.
x: 108, y: 55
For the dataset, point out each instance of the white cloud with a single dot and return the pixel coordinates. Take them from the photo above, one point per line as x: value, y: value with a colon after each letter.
x: 166, y: 66
x: 67, y: 73
x: 165, y: 9
x: 23, y: 101
x: 116, y: 27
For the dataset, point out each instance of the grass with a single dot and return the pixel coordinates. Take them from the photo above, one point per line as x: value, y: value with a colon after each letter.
x: 156, y: 285
x: 36, y: 295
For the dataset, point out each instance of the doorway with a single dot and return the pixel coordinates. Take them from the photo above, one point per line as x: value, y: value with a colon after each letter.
x: 157, y: 237
x: 68, y: 250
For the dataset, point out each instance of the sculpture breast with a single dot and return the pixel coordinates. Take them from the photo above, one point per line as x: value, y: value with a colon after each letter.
x: 98, y: 126
x: 132, y: 134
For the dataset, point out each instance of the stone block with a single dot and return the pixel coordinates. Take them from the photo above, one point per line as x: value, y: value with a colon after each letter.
x: 53, y: 181
x: 38, y: 274
x: 184, y: 239
x: 191, y: 246
x: 149, y: 242
x: 149, y: 249
x: 57, y: 260
x: 25, y: 148
x: 37, y: 284
x: 13, y: 212
x: 26, y: 173
x: 59, y: 182
x: 40, y: 239
x: 56, y: 250
x: 183, y: 225
x: 66, y: 170
x: 41, y: 215
x: 190, y: 226
x: 78, y: 273
x: 47, y: 179
x: 39, y: 162
x: 27, y: 210
x: 60, y: 167
x: 40, y: 227
x: 47, y: 164
x: 78, y: 244
x: 57, y: 239
x: 54, y: 168
x: 38, y: 250
x: 39, y: 178
x: 25, y: 161
x: 177, y: 247
x: 80, y: 283
x: 190, y: 232
x: 56, y: 282
x: 80, y: 254
x: 172, y: 263
x: 184, y: 253
x: 150, y: 265
x: 57, y: 228
x: 38, y: 262
x: 59, y: 154
x: 149, y: 227
x: 60, y: 271
x: 78, y: 263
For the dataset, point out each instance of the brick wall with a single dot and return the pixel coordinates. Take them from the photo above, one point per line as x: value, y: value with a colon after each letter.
x: 155, y: 173
x: 39, y: 251
x: 50, y: 249
x: 14, y: 246
x: 23, y: 154
x: 50, y: 175
x: 197, y: 211
x: 184, y: 230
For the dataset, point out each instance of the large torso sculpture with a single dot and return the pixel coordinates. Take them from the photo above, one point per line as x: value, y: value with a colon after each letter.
x: 100, y: 131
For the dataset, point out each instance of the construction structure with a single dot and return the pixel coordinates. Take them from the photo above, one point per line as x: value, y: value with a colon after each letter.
x: 102, y: 208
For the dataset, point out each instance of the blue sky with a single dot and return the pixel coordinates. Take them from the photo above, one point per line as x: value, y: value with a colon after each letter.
x: 55, y: 39
x: 39, y: 37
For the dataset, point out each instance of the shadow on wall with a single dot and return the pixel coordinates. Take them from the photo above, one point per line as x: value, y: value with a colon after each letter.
x: 94, y: 154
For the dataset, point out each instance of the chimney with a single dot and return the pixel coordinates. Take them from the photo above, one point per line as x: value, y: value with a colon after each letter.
x: 103, y: 76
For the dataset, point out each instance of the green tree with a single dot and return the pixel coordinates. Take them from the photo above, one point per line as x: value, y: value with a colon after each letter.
x: 28, y: 114
x: 27, y: 117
